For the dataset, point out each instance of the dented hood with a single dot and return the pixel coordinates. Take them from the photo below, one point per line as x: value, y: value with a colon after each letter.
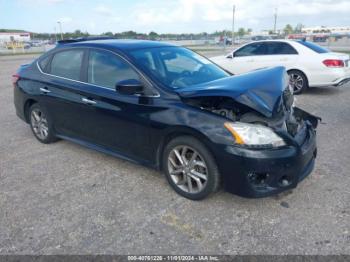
x: 259, y: 90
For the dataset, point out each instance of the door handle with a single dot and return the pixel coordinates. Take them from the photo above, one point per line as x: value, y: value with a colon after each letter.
x: 44, y: 90
x: 88, y: 101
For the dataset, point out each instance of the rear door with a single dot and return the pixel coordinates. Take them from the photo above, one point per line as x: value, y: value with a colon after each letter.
x: 277, y: 54
x: 61, y: 90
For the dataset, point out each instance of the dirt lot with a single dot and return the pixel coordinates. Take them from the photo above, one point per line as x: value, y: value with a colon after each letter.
x: 63, y: 198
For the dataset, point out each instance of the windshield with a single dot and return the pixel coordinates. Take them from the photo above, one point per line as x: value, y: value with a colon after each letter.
x: 314, y: 47
x: 177, y: 67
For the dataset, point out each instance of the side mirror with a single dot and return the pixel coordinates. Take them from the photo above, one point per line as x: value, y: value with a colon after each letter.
x: 129, y: 87
x: 230, y: 56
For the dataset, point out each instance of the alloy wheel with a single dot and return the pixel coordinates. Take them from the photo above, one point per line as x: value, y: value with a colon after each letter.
x: 296, y: 81
x: 39, y: 123
x: 187, y: 169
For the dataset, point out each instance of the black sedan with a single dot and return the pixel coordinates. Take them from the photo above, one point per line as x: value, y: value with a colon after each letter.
x: 169, y: 108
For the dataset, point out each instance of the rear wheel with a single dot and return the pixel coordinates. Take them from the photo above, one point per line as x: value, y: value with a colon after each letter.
x: 41, y: 124
x: 190, y: 168
x: 298, y: 81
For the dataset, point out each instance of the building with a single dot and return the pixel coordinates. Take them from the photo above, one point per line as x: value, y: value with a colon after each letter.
x: 14, y: 36
x: 326, y: 30
x: 270, y: 32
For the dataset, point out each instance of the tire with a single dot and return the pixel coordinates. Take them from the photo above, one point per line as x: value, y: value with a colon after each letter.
x: 298, y: 81
x: 197, y: 176
x: 41, y: 124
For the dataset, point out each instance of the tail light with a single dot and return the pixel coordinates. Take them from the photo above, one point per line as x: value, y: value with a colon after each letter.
x: 333, y: 63
x: 15, y: 78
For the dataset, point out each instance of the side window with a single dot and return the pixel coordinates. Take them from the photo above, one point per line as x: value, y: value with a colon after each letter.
x: 251, y: 49
x: 106, y: 69
x: 67, y: 64
x: 44, y: 62
x: 279, y: 48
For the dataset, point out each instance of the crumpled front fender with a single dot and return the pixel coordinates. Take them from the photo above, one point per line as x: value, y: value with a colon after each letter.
x: 300, y: 113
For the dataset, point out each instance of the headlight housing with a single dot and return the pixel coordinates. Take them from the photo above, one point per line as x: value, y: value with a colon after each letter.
x: 254, y: 135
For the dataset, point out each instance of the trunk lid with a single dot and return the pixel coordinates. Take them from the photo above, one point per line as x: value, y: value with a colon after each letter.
x: 341, y: 56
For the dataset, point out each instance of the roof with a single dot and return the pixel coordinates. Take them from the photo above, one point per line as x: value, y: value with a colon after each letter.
x: 275, y: 40
x: 120, y: 44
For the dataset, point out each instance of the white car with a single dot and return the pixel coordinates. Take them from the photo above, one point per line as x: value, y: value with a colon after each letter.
x: 307, y: 64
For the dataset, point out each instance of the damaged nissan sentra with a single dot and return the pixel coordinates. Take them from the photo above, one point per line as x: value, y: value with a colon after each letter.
x: 169, y: 108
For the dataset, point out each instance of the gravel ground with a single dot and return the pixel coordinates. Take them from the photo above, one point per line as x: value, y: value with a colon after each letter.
x: 65, y: 199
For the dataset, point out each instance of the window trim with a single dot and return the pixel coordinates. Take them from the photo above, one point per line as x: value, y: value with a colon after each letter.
x: 266, y: 44
x: 281, y: 42
x: 252, y: 43
x: 84, y: 66
x: 63, y: 50
x: 49, y: 56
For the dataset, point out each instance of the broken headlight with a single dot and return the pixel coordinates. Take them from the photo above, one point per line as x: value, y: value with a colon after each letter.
x: 254, y: 135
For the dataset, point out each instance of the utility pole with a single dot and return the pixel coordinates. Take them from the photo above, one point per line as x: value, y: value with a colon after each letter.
x: 225, y: 39
x: 275, y: 22
x: 233, y: 24
x: 60, y: 24
x: 55, y: 33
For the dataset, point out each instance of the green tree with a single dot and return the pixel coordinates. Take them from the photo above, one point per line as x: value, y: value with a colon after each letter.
x: 288, y: 29
x: 108, y: 34
x: 241, y: 32
x: 152, y: 35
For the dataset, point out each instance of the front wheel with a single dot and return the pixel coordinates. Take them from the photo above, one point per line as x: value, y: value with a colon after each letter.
x: 190, y: 168
x: 298, y: 81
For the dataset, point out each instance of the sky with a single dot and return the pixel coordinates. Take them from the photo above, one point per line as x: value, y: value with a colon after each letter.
x: 168, y: 16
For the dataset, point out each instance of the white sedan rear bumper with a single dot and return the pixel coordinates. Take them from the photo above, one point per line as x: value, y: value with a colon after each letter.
x: 342, y: 81
x: 331, y: 77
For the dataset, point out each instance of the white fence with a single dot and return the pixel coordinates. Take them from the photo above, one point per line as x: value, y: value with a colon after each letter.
x: 210, y: 44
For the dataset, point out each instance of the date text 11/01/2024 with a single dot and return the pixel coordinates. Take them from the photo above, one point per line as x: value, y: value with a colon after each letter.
x: 173, y: 258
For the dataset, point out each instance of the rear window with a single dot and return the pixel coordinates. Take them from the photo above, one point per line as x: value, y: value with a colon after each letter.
x: 314, y: 47
x: 67, y: 64
x: 43, y: 63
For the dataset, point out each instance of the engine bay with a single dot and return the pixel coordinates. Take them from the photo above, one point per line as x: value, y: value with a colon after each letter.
x: 283, y: 117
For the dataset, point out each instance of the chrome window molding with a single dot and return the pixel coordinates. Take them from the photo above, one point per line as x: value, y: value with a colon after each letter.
x: 87, y: 83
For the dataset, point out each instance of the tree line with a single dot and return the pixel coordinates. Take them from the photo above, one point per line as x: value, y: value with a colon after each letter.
x: 151, y: 35
x: 288, y: 29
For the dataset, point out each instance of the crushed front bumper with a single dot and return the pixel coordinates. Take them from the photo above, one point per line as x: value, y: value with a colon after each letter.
x: 264, y: 172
